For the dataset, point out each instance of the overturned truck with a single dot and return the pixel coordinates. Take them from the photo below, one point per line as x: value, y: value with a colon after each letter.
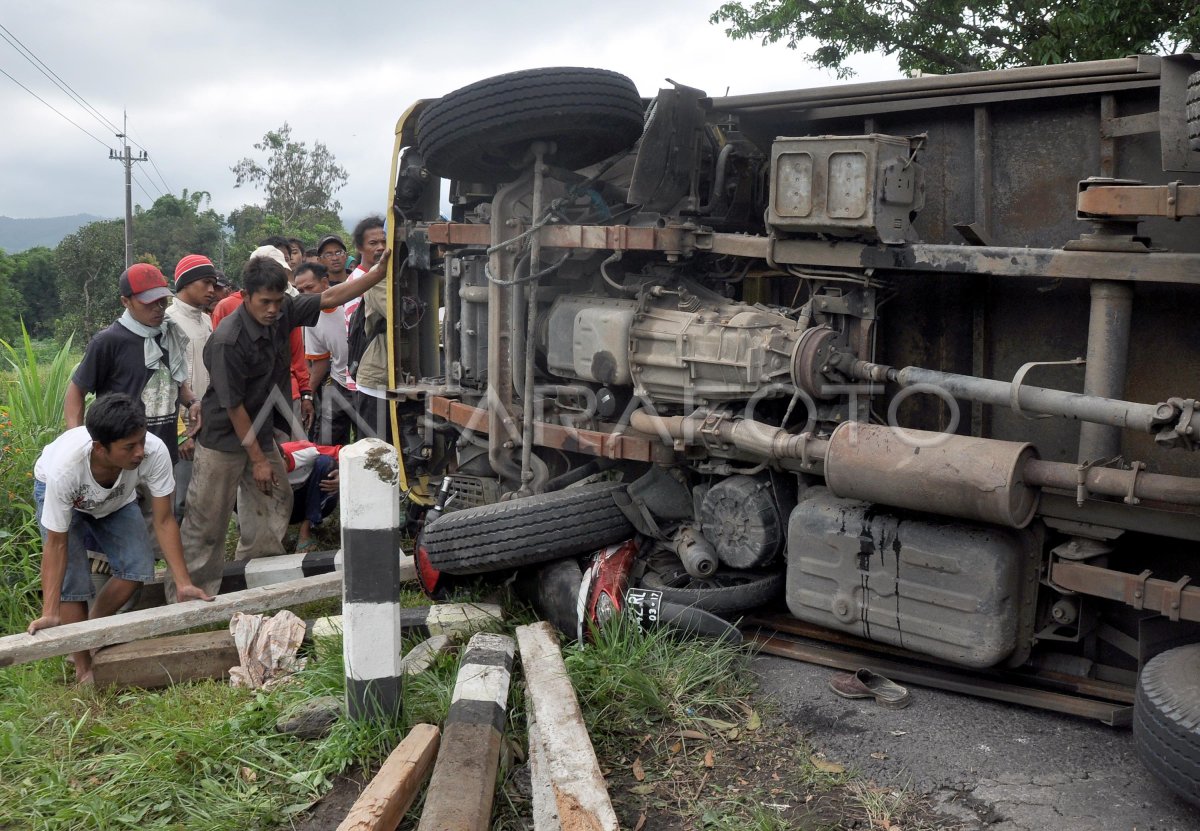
x: 917, y: 358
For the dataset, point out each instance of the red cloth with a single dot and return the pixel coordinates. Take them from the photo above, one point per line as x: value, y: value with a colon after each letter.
x: 290, y: 448
x: 300, y: 379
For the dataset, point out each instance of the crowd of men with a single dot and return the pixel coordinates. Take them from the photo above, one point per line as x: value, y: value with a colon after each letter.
x: 207, y: 400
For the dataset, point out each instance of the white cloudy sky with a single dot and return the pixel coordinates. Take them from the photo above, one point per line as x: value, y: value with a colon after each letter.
x: 202, y: 81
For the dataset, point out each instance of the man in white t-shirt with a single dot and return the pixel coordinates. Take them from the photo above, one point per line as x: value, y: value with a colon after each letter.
x: 325, y: 348
x: 87, y: 478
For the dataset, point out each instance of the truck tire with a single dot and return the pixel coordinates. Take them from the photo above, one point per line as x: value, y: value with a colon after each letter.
x: 726, y: 592
x: 527, y: 531
x: 1166, y: 720
x: 1193, y: 110
x: 482, y: 132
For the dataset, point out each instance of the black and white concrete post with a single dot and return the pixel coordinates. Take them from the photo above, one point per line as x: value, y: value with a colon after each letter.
x: 463, y: 783
x: 370, y: 510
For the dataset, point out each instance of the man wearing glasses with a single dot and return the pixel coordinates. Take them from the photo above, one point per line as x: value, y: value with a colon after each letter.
x: 332, y: 252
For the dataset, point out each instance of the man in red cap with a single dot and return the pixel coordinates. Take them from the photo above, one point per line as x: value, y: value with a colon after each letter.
x: 195, y: 287
x: 143, y: 354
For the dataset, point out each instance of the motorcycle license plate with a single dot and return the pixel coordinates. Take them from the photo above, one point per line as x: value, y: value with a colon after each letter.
x: 646, y: 604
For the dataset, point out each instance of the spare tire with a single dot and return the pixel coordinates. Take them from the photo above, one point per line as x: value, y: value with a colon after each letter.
x: 482, y: 132
x: 1166, y: 719
x: 527, y: 531
x: 725, y: 592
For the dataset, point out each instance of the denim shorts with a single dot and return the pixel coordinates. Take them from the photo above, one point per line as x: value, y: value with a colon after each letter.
x: 121, y: 535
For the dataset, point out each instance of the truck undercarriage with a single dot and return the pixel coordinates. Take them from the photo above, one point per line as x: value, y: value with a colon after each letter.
x: 917, y: 357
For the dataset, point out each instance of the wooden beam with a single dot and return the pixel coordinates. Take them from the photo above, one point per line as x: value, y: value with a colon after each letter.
x: 566, y: 756
x: 262, y: 571
x: 161, y: 662
x: 382, y: 804
x: 147, y: 623
x: 545, y: 812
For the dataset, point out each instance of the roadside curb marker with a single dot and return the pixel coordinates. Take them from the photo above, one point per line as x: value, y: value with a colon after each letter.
x: 463, y: 783
x: 371, y: 580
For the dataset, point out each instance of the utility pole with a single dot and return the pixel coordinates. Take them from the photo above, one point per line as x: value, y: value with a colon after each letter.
x: 127, y: 158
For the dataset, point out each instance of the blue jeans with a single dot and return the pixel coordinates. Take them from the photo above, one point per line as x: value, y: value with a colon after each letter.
x: 311, y: 502
x: 121, y: 535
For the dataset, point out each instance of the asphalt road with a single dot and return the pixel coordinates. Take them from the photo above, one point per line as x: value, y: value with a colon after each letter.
x: 990, y: 765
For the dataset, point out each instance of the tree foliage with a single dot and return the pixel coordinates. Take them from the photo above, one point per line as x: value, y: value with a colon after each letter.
x: 251, y: 224
x: 35, y: 280
x: 90, y: 262
x: 178, y: 225
x: 939, y: 36
x: 10, y: 299
x: 297, y: 181
x: 299, y: 185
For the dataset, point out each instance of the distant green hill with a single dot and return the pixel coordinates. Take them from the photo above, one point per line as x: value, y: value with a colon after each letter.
x: 20, y: 234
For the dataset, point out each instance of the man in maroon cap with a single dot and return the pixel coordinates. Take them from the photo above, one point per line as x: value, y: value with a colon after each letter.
x: 143, y: 354
x: 195, y: 287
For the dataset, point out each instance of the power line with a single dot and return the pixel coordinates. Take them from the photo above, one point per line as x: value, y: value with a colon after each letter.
x: 141, y: 187
x: 27, y: 53
x: 56, y: 110
x: 149, y: 180
x: 155, y: 166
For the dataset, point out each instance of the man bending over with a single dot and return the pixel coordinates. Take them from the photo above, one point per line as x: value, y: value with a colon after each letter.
x: 88, y: 478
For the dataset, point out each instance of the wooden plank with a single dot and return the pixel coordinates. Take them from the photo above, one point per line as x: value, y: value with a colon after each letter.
x: 161, y: 662
x: 545, y: 812
x: 566, y: 754
x: 147, y: 623
x: 1114, y: 715
x: 382, y: 804
x: 261, y: 571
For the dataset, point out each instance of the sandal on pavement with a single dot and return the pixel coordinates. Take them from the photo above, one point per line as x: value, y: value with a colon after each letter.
x: 867, y: 684
x: 306, y: 546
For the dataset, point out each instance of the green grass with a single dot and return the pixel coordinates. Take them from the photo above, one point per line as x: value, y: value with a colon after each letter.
x: 629, y: 681
x: 37, y: 386
x: 32, y: 389
x: 200, y: 755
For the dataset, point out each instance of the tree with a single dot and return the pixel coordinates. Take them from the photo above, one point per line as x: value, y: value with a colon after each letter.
x: 298, y: 181
x: 299, y: 185
x: 35, y: 279
x: 939, y: 36
x: 89, y: 262
x: 178, y: 225
x: 251, y: 224
x: 10, y: 300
